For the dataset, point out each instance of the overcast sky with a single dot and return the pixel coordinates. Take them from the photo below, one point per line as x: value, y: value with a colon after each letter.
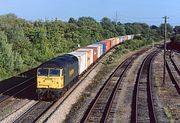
x: 149, y: 11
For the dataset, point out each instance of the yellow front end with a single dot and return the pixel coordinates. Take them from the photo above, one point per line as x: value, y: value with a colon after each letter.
x: 46, y: 79
x: 50, y: 82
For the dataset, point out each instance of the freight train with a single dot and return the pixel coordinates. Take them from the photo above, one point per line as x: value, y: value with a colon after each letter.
x: 57, y: 75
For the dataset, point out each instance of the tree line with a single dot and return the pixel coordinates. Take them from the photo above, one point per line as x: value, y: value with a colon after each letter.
x: 25, y: 44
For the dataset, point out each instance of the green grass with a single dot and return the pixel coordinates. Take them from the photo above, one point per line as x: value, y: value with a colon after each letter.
x: 168, y: 114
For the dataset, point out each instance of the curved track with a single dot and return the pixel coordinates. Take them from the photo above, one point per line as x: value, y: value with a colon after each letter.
x: 174, y: 64
x: 171, y: 73
x: 101, y: 107
x: 143, y: 109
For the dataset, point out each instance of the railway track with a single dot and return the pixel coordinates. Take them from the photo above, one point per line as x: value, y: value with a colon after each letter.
x: 15, y: 90
x: 14, y: 86
x: 22, y: 90
x: 172, y: 74
x: 101, y: 108
x: 174, y: 64
x: 143, y: 109
x: 34, y: 113
x: 14, y: 81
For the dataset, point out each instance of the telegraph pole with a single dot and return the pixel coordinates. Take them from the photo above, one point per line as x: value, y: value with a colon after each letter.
x: 165, y: 36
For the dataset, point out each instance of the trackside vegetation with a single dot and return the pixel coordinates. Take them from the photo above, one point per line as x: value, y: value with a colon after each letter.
x: 25, y: 44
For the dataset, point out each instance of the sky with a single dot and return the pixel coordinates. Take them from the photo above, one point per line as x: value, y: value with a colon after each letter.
x: 148, y: 11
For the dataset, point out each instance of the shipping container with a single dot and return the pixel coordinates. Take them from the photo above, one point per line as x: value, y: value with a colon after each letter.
x: 132, y: 36
x: 126, y: 37
x: 95, y: 53
x: 99, y: 47
x: 82, y: 60
x: 89, y: 55
x: 113, y: 42
x: 120, y: 39
x: 104, y: 46
x: 129, y: 37
x: 116, y: 40
x: 108, y: 44
x: 123, y: 38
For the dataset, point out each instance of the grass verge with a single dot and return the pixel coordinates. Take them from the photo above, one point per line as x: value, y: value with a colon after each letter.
x: 168, y: 114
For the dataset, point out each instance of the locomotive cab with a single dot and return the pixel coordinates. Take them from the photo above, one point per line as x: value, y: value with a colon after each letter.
x: 50, y: 78
x: 50, y: 81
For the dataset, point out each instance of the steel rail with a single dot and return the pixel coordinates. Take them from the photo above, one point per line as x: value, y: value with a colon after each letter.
x: 146, y: 63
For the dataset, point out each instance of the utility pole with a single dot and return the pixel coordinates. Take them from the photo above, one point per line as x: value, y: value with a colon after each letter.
x: 165, y: 36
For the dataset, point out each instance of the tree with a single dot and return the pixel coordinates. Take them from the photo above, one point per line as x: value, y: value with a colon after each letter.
x: 6, y: 53
x: 108, y: 26
x: 177, y: 29
x: 129, y: 29
x: 72, y: 20
x: 18, y: 62
x: 120, y: 29
x: 169, y: 29
x: 154, y: 27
